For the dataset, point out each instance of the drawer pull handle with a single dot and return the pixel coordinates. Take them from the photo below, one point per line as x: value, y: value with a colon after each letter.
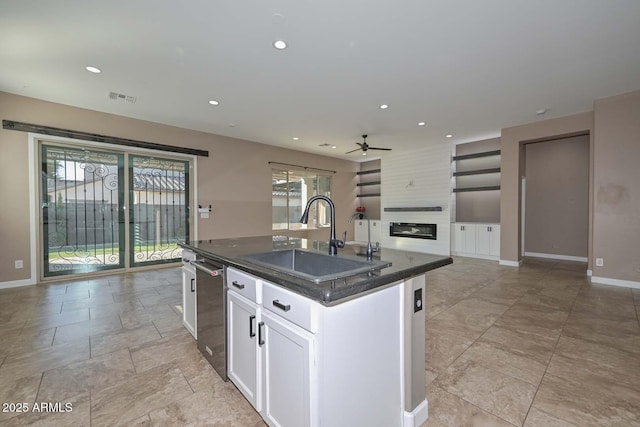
x: 237, y: 285
x: 193, y: 282
x: 252, y: 333
x: 281, y: 306
x: 260, y: 334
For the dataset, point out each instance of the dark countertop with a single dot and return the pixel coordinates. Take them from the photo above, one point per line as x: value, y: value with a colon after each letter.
x: 404, y: 265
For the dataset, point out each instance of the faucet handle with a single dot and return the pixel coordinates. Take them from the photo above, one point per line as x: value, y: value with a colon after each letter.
x: 344, y: 236
x: 377, y: 248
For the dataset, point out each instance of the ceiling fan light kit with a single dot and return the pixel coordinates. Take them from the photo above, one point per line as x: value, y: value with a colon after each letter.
x: 364, y: 147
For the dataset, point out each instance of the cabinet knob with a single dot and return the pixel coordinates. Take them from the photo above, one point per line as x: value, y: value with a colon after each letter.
x: 237, y: 285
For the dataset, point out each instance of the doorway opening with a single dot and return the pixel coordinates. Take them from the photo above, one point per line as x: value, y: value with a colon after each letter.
x: 555, y: 198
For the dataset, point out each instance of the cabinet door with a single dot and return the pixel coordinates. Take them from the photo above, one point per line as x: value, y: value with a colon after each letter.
x: 243, y: 350
x: 469, y: 239
x: 360, y: 230
x: 376, y: 232
x: 488, y: 243
x: 484, y: 239
x: 495, y: 241
x: 287, y: 357
x: 463, y: 238
x: 189, y: 300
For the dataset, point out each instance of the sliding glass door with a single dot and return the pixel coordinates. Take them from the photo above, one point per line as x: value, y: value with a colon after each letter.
x: 82, y: 210
x: 159, y: 201
x: 84, y: 204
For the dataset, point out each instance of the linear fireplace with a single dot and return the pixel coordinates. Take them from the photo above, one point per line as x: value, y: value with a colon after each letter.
x: 413, y: 230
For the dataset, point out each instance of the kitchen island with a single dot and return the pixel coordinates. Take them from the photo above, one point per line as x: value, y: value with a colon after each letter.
x: 346, y: 351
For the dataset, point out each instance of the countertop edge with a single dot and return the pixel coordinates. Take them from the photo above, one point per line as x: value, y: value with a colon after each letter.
x: 328, y: 298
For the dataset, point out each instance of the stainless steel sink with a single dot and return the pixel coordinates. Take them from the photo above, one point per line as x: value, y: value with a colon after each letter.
x: 314, y: 266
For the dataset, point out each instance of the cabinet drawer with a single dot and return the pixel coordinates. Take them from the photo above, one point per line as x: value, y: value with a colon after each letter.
x: 295, y: 308
x: 244, y: 284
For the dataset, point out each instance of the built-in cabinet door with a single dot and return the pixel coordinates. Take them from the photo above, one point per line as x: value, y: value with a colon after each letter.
x: 488, y: 239
x: 376, y: 232
x: 463, y: 238
x: 495, y: 240
x: 287, y: 355
x: 243, y: 350
x: 189, y: 300
x: 360, y: 230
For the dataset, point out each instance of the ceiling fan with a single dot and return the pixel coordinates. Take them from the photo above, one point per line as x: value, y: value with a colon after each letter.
x: 365, y: 147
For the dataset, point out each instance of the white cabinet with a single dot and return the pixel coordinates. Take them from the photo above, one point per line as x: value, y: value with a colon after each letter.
x: 243, y: 318
x: 488, y: 240
x: 309, y: 365
x: 286, y: 362
x: 376, y: 231
x: 360, y: 231
x: 463, y: 238
x: 189, y: 294
x: 475, y: 240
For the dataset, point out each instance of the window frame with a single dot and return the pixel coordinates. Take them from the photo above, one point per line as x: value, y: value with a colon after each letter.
x: 316, y: 213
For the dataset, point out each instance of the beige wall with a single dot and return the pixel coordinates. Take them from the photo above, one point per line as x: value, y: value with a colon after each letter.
x: 512, y: 170
x: 235, y: 179
x: 557, y: 197
x: 616, y: 222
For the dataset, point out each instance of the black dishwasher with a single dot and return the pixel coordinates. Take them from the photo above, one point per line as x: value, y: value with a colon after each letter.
x: 211, y: 309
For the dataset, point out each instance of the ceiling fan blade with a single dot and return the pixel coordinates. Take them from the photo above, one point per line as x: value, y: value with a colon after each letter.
x: 357, y: 149
x: 385, y: 149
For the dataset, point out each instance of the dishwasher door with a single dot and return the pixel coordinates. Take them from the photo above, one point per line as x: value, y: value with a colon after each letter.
x: 211, y: 314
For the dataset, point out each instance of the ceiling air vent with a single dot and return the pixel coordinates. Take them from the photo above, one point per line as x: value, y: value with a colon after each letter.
x: 121, y: 97
x: 324, y: 145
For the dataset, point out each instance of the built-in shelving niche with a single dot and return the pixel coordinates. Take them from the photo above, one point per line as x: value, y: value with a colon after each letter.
x: 475, y: 172
x: 370, y: 188
x: 476, y: 168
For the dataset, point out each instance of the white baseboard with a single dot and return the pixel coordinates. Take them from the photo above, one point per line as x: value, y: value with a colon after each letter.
x: 16, y: 283
x: 615, y: 282
x: 510, y: 263
x: 418, y: 416
x: 589, y: 273
x: 560, y: 257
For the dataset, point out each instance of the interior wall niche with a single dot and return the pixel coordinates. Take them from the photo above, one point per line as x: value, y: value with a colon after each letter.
x: 556, y: 218
x: 478, y: 206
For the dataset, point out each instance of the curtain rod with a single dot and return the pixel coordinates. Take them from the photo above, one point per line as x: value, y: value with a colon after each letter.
x: 302, y: 167
x: 66, y: 133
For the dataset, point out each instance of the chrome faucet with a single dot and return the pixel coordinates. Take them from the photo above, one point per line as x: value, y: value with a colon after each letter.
x: 334, y: 243
x: 370, y: 249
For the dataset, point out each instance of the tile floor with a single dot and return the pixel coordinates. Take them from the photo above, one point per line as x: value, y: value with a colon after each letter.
x: 534, y: 346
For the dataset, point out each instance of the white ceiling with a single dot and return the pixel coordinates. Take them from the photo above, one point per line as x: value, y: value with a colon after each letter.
x: 465, y: 67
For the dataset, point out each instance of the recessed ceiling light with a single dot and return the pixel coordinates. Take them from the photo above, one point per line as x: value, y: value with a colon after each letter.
x: 384, y: 106
x: 421, y: 123
x: 214, y: 102
x: 91, y: 69
x: 541, y: 111
x: 334, y: 146
x: 364, y: 153
x: 449, y: 136
x: 280, y: 44
x: 295, y: 138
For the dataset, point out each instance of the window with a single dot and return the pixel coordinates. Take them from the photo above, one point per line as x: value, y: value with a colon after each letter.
x: 290, y: 191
